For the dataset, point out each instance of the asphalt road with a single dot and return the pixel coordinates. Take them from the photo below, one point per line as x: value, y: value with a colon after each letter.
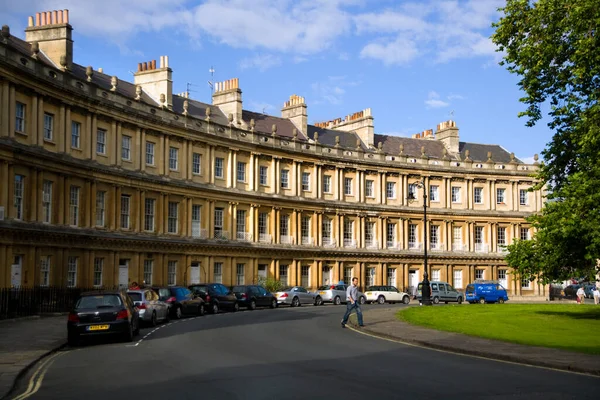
x: 281, y: 354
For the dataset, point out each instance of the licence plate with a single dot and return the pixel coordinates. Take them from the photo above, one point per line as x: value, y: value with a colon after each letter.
x: 97, y: 327
x: 321, y: 292
x: 368, y: 293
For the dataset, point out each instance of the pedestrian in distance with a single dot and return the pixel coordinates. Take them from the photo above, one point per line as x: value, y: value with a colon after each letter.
x: 580, y: 295
x: 352, y: 304
x: 596, y: 294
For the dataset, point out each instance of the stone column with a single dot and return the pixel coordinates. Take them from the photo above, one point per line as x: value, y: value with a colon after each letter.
x: 12, y: 109
x: 66, y: 120
x: 141, y: 134
x: 34, y: 132
x: 141, y: 224
x: 94, y: 136
x: 114, y: 148
x: 251, y: 173
x: 65, y: 141
x: 5, y: 115
x: 87, y: 143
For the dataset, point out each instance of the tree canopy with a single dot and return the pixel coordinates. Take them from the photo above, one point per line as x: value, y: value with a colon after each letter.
x: 553, y: 46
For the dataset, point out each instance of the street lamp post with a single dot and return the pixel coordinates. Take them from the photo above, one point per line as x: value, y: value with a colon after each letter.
x: 425, y: 286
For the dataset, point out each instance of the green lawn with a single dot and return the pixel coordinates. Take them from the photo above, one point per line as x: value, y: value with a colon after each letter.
x: 564, y: 326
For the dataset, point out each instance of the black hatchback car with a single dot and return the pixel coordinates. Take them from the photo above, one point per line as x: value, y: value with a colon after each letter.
x: 252, y: 296
x: 181, y: 301
x: 216, y: 297
x: 103, y: 313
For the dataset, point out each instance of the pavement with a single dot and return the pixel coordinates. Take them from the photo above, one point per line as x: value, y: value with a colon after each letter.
x: 24, y: 342
x: 381, y: 322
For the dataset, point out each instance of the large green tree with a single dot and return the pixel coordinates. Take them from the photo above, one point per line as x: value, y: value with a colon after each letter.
x: 553, y: 46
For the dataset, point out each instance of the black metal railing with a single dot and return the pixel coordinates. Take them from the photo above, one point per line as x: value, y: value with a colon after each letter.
x: 27, y: 301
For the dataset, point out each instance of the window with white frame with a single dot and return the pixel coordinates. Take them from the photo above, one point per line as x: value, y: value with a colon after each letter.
x: 173, y: 158
x: 125, y: 210
x: 98, y: 270
x: 100, y: 208
x: 240, y: 221
x: 283, y: 274
x: 457, y: 235
x: 218, y: 272
x: 72, y: 271
x: 218, y: 222
x: 74, y: 206
x: 458, y: 282
x: 412, y: 191
x: 435, y: 274
x: 412, y: 236
x: 524, y: 234
x: 75, y: 134
x: 19, y: 192
x: 263, y: 172
x: 284, y: 224
x: 20, y: 118
x: 502, y: 276
x: 263, y: 223
x: 478, y: 195
x: 501, y: 231
x: 149, y: 153
x: 348, y: 186
x: 348, y: 275
x: 390, y: 190
x: 525, y: 283
x: 240, y: 278
x: 348, y: 229
x: 370, y: 233
x: 500, y: 196
x: 391, y: 234
x: 47, y: 202
x: 126, y: 147
x: 305, y: 227
x: 305, y: 181
x: 48, y: 126
x: 369, y: 192
x: 391, y: 277
x: 370, y: 277
x: 456, y: 194
x: 241, y: 171
x: 434, y: 236
x: 305, y: 276
x: 173, y: 217
x: 101, y: 141
x: 434, y: 194
x: 326, y: 228
x: 149, y: 211
x: 480, y: 274
x: 479, y: 235
x: 196, y: 220
x: 285, y: 178
x: 196, y: 163
x: 148, y: 271
x: 45, y: 271
x: 326, y: 183
x: 171, y: 273
x: 523, y: 197
x: 219, y: 162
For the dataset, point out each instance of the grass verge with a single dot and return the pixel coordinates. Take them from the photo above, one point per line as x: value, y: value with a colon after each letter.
x: 562, y: 326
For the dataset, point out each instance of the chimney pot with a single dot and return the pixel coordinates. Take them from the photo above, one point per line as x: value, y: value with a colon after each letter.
x: 60, y: 16
x: 101, y: 70
x: 66, y: 16
x: 48, y: 17
x: 162, y: 62
x: 42, y: 19
x: 30, y: 21
x: 153, y: 64
x: 55, y: 17
x: 139, y: 67
x: 166, y: 61
x: 37, y: 19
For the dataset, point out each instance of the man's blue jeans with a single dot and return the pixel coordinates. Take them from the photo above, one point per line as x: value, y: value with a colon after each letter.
x: 349, y: 308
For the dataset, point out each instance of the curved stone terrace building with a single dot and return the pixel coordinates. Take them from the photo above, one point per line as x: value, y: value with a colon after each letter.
x: 105, y: 181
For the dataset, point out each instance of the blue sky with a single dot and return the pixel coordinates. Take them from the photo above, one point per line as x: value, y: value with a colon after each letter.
x: 414, y: 63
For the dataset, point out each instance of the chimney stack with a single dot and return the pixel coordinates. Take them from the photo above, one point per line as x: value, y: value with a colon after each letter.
x: 295, y: 110
x: 447, y: 133
x: 156, y: 81
x: 359, y: 122
x: 228, y: 97
x: 51, y: 29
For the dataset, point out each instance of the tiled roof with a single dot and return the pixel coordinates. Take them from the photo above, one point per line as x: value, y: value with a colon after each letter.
x: 327, y: 137
x: 264, y: 124
x: 198, y: 109
x: 478, y: 152
x: 412, y: 147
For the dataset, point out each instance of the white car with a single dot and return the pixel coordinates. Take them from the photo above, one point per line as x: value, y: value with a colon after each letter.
x: 383, y: 294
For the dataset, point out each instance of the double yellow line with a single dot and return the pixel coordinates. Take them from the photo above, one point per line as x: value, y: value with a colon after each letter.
x: 35, y: 382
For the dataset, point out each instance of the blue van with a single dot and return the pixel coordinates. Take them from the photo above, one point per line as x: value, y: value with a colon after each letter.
x: 485, y: 292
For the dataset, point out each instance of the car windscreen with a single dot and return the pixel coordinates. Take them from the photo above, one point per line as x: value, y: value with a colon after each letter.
x: 372, y: 288
x: 470, y: 288
x: 285, y: 289
x: 135, y: 296
x: 324, y: 287
x: 99, y: 301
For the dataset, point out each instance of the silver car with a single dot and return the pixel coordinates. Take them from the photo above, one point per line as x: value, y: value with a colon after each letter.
x: 336, y: 294
x: 151, y: 309
x: 296, y: 296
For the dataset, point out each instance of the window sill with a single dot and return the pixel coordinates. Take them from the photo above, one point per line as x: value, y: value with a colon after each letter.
x: 50, y: 141
x: 102, y: 155
x: 21, y: 133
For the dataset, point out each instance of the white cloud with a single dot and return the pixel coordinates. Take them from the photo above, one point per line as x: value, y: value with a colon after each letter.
x: 332, y: 90
x: 398, y: 52
x: 455, y: 97
x: 433, y: 101
x: 262, y: 62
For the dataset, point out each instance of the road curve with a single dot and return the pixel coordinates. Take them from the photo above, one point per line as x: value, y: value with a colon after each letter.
x: 299, y: 353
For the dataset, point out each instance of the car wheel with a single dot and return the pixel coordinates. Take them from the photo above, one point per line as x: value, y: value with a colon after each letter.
x: 295, y: 302
x: 500, y: 300
x: 362, y: 300
x: 436, y: 300
x: 252, y: 305
x: 406, y: 300
x: 482, y: 301
x: 178, y: 313
x: 459, y: 300
x: 214, y: 308
x: 318, y: 301
x: 73, y: 339
x: 381, y: 300
x: 236, y: 307
x: 337, y: 301
x: 153, y: 320
x: 273, y: 303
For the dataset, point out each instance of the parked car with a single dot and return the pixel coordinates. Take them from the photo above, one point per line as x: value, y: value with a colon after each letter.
x: 216, y: 296
x: 336, y: 294
x: 295, y: 296
x: 252, y: 296
x: 571, y: 290
x: 181, y: 301
x: 151, y: 308
x: 383, y: 294
x: 103, y: 313
x: 485, y: 292
x: 441, y: 291
x: 588, y: 290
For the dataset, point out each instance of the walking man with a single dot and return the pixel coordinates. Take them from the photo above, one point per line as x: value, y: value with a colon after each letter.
x: 581, y: 295
x: 596, y: 294
x: 352, y: 303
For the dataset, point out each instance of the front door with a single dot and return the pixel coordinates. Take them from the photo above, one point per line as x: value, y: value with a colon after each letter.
x: 124, y: 273
x: 195, y: 274
x: 502, y: 278
x: 326, y: 276
x: 413, y: 281
x: 262, y: 271
x: 16, y: 271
